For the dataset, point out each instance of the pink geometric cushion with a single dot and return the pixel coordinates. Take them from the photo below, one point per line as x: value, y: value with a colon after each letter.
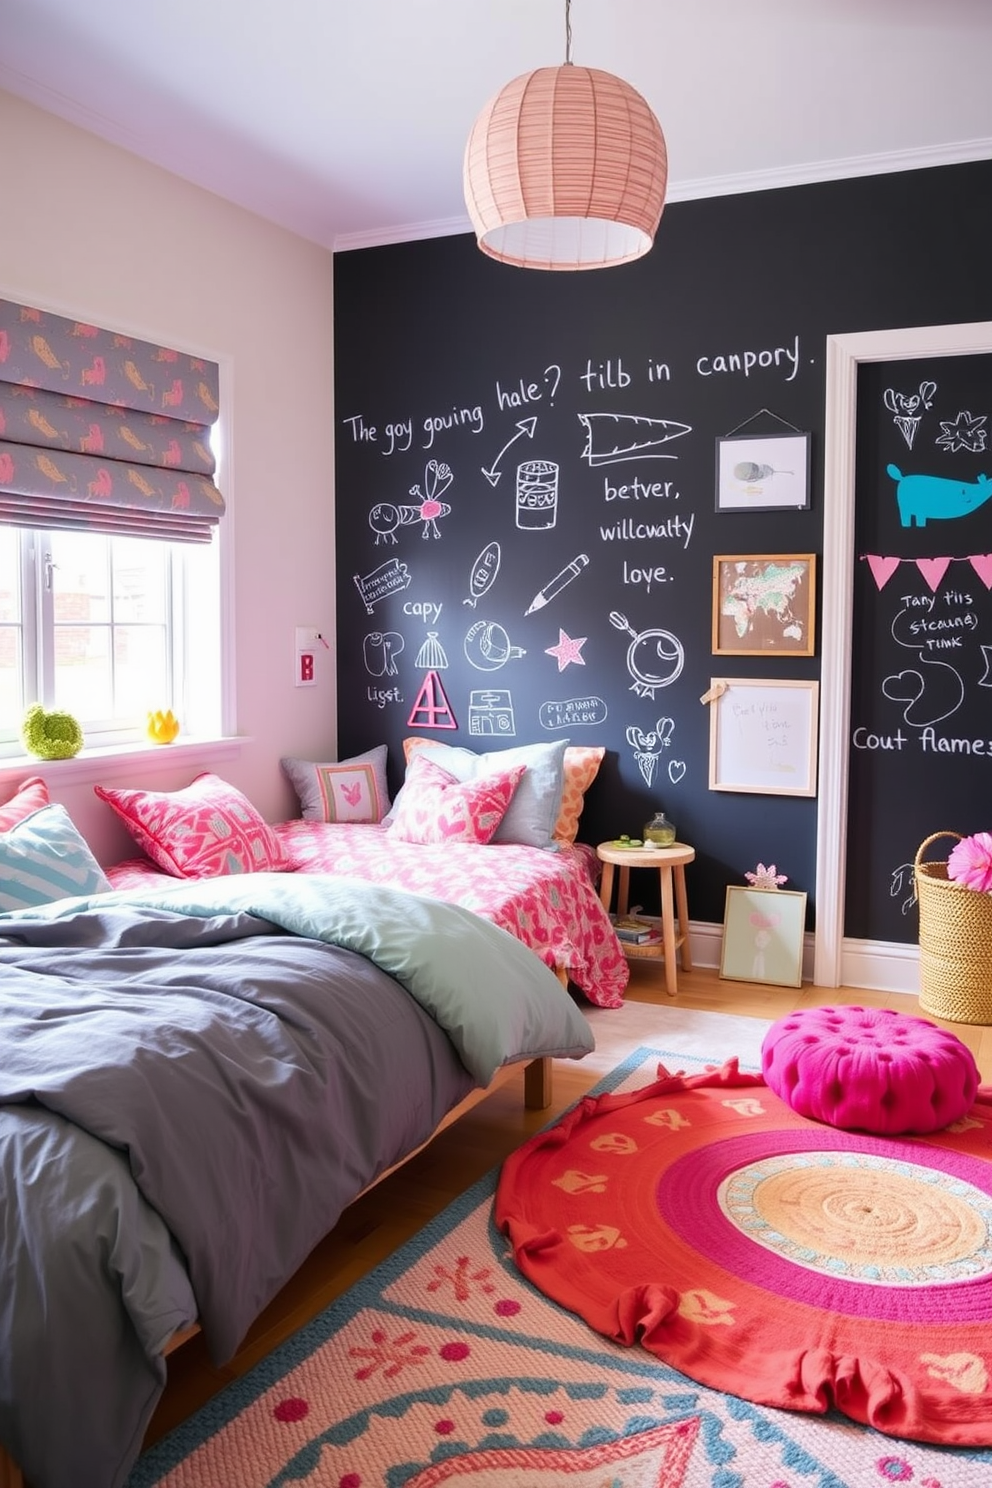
x: 206, y: 830
x: 435, y: 807
x: 869, y: 1069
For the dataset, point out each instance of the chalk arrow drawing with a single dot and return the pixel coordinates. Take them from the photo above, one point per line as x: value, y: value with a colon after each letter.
x: 525, y: 426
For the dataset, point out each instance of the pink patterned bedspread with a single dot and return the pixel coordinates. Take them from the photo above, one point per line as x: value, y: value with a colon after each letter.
x: 547, y: 900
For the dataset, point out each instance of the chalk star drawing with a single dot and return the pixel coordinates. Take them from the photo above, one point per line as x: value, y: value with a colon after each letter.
x: 966, y: 432
x: 567, y: 650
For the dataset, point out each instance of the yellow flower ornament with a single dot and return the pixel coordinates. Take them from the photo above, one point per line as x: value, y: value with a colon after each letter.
x: 162, y: 727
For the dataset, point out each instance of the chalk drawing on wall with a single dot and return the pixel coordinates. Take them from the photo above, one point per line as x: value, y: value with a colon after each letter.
x: 927, y: 498
x: 985, y: 680
x: 649, y: 746
x: 906, y: 408
x: 572, y: 713
x: 902, y: 882
x: 966, y: 432
x: 490, y: 711
x: 380, y: 650
x: 613, y: 437
x: 568, y: 650
x: 930, y: 690
x: 389, y: 578
x: 561, y: 580
x: 431, y: 656
x: 483, y: 575
x: 655, y: 658
x: 488, y: 647
x: 537, y: 495
x: 524, y: 429
x: 385, y: 517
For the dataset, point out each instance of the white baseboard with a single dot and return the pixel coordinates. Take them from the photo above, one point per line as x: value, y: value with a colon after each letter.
x: 876, y: 965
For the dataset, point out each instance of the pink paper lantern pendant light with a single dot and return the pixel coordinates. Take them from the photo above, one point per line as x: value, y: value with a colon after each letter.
x: 566, y: 168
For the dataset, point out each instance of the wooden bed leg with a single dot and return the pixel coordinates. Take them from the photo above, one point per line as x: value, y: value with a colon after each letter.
x: 10, y: 1473
x: 538, y: 1082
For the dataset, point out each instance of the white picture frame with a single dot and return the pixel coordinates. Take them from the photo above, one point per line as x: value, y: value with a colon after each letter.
x: 762, y: 472
x: 763, y: 735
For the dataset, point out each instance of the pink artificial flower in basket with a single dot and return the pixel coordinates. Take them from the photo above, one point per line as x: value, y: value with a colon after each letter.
x: 970, y: 862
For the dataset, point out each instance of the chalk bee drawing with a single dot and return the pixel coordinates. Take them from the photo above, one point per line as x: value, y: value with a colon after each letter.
x: 385, y: 517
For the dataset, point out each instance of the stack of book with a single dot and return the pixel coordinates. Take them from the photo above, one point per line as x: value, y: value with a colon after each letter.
x: 633, y: 931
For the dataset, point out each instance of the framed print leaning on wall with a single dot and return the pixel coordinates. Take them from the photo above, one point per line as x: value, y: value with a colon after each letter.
x: 763, y: 936
x: 762, y: 472
x: 764, y: 604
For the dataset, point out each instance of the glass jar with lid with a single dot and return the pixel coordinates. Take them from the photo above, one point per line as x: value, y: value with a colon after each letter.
x: 659, y: 830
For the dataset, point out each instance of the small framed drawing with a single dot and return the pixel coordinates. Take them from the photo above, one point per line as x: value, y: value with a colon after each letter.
x: 764, y: 604
x: 763, y: 936
x: 762, y: 472
x: 763, y: 735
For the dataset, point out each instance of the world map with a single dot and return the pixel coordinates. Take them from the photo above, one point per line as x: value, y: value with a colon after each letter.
x: 766, y: 605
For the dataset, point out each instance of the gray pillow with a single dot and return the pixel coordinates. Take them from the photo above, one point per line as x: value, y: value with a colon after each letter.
x: 533, y: 812
x: 350, y: 790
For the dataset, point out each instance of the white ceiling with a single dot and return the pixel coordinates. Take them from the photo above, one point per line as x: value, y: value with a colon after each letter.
x: 345, y: 120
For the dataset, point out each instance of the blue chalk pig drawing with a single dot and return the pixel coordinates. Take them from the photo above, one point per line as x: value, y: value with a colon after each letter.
x: 923, y: 498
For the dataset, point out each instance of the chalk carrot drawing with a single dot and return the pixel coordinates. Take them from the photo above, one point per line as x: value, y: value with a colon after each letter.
x: 613, y: 437
x: 924, y: 498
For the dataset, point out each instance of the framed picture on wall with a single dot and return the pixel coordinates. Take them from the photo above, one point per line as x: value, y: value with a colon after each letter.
x: 762, y: 472
x: 763, y: 936
x: 764, y: 604
x: 763, y: 735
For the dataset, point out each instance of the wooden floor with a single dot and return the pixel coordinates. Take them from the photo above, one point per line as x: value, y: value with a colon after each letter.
x: 402, y: 1203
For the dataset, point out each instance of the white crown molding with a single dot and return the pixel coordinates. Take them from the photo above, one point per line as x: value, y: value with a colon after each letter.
x: 957, y: 153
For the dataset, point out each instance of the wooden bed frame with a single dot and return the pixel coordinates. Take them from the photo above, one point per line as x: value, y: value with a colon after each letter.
x: 538, y: 1089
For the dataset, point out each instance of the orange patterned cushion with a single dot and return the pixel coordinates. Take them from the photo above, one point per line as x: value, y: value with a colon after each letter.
x: 582, y: 762
x: 206, y: 830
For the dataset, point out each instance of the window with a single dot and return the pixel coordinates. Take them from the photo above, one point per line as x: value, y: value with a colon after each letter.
x: 108, y: 628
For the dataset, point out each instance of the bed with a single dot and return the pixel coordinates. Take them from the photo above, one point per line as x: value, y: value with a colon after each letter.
x: 277, y: 1013
x: 274, y: 1009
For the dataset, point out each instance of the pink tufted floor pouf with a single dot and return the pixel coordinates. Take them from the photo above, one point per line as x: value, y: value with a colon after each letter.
x: 869, y: 1069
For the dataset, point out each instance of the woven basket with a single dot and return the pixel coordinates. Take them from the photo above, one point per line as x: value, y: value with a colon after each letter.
x: 955, y: 943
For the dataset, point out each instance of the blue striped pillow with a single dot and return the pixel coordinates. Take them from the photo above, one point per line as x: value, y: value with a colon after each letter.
x: 44, y: 858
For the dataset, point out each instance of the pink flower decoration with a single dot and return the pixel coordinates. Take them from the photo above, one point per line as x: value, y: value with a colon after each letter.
x: 970, y: 863
x: 765, y: 878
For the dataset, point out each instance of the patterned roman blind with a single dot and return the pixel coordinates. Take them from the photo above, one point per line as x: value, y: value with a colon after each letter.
x: 103, y: 432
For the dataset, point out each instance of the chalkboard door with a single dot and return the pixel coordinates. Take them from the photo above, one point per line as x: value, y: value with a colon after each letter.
x: 907, y: 664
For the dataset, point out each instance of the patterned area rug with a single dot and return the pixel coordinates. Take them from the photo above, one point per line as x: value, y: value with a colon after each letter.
x: 445, y: 1368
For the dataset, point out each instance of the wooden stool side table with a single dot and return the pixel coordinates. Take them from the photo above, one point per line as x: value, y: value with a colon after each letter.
x: 670, y: 863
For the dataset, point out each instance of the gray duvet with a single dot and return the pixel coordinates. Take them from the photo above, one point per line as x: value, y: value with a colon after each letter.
x: 187, y: 1102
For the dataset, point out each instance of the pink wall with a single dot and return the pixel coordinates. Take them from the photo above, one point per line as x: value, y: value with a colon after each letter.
x: 93, y: 231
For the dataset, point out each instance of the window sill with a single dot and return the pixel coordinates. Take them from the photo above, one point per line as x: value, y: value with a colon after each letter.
x: 93, y: 764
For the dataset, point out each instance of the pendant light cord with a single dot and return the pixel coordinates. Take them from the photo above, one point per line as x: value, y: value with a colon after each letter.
x: 568, y: 33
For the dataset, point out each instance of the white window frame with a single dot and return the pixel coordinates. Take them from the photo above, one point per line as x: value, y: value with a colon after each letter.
x: 213, y: 745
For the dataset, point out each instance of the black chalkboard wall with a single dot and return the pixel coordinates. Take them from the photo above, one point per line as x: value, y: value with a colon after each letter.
x: 920, y: 758
x: 494, y: 426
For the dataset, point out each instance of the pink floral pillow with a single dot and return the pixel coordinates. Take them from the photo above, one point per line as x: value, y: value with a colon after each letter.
x: 436, y: 807
x: 206, y: 830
